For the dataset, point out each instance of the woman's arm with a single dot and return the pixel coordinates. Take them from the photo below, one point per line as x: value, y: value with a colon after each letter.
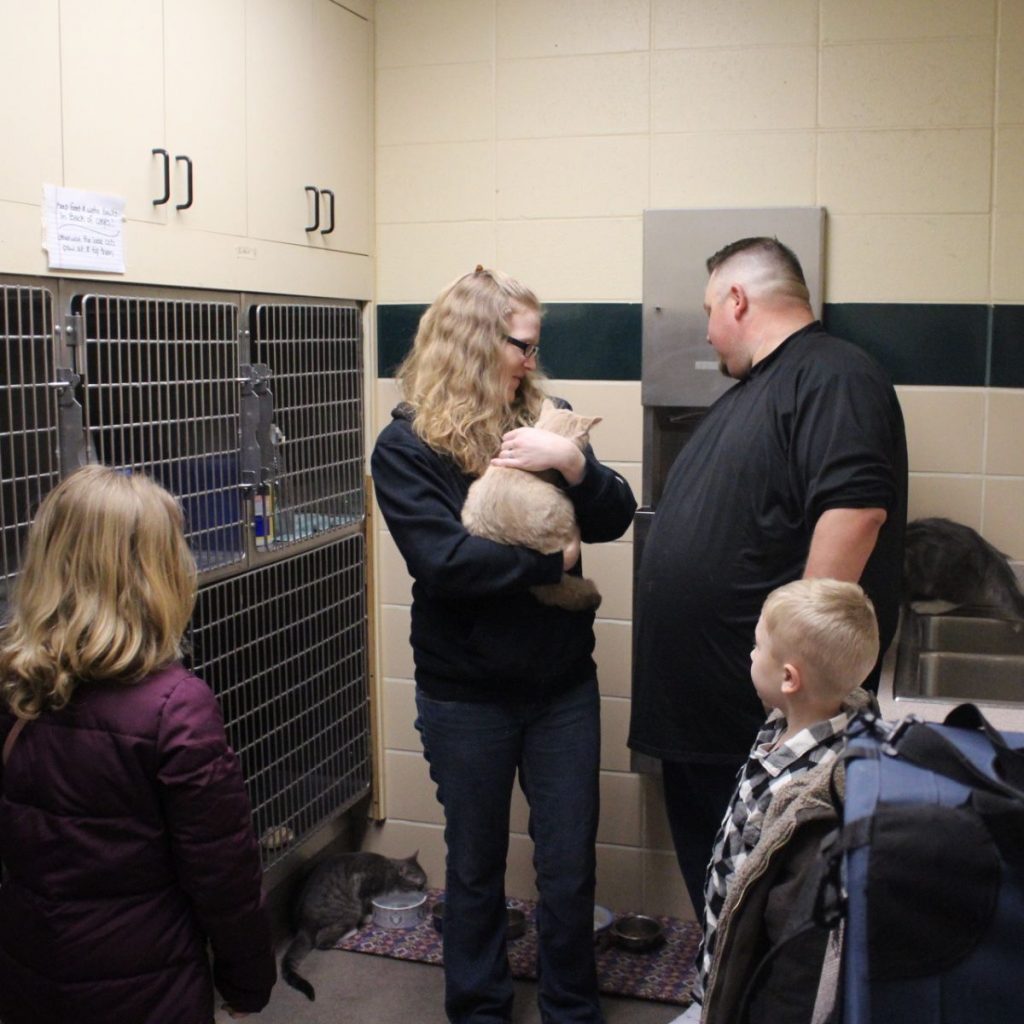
x: 603, y: 501
x: 421, y: 501
x: 535, y: 450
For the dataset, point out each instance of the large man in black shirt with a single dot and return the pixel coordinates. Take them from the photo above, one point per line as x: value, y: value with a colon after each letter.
x: 800, y: 469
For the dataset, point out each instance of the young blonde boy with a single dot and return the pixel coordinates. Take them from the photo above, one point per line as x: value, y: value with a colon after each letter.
x: 815, y: 642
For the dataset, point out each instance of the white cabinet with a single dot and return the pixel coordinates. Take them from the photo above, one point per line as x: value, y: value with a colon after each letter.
x: 252, y: 99
x: 139, y: 75
x: 112, y: 95
x: 204, y: 113
x: 309, y: 116
x: 343, y: 108
x: 279, y: 117
x: 29, y: 116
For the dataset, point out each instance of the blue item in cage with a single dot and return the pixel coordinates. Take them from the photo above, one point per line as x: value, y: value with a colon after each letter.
x: 208, y: 489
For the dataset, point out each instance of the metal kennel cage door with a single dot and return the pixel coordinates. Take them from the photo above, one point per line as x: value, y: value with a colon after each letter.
x: 284, y: 649
x: 311, y: 474
x: 161, y: 394
x: 30, y: 392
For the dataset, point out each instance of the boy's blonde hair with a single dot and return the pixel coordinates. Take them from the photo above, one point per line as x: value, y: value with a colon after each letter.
x: 829, y: 627
x: 452, y: 378
x: 105, y: 591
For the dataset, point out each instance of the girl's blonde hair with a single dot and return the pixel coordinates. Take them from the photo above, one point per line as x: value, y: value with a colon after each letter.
x: 452, y: 378
x: 829, y: 626
x: 104, y: 593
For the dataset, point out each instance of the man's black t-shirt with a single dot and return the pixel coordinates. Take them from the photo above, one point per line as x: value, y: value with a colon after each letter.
x: 815, y: 426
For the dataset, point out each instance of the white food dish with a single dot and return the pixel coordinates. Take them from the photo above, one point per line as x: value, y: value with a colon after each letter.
x: 603, y: 917
x: 398, y: 910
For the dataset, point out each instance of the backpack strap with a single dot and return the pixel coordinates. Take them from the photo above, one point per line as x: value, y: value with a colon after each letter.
x: 1009, y: 761
x: 12, y: 736
x: 999, y: 801
x: 925, y: 747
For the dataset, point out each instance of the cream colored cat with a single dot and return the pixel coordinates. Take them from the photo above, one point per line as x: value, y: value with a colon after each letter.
x: 513, y: 506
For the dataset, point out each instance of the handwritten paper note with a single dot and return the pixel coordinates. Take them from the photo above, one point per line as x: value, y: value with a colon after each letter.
x: 84, y: 230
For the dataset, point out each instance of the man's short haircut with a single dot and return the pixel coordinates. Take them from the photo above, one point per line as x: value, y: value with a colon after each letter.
x: 772, y: 266
x: 827, y: 626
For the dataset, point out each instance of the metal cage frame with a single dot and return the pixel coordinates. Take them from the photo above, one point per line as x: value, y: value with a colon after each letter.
x: 180, y: 384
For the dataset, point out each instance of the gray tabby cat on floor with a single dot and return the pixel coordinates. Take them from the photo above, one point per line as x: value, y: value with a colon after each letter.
x: 335, y: 900
x: 514, y: 506
x: 948, y: 565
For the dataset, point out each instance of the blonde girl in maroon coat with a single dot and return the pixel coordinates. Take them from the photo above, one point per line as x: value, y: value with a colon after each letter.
x: 132, y: 880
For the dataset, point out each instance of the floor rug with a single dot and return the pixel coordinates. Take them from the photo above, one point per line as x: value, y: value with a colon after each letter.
x: 665, y: 974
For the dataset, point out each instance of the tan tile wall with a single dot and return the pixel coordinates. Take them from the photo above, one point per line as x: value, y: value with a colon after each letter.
x: 531, y: 135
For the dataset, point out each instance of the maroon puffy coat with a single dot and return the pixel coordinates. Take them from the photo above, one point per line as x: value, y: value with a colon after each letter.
x: 126, y: 835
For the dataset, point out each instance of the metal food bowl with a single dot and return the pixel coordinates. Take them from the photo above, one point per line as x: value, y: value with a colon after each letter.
x: 514, y: 928
x: 397, y: 910
x: 637, y: 933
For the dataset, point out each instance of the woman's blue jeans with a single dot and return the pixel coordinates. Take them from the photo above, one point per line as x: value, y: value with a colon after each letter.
x: 474, y: 751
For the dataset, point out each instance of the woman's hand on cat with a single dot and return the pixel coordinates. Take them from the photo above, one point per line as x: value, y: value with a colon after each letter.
x: 534, y: 450
x: 234, y: 1014
x: 571, y: 553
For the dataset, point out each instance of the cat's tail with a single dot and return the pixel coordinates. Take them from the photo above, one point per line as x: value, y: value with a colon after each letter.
x: 293, y: 956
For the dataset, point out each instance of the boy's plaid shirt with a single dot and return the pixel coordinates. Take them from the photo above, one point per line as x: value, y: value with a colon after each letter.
x: 764, y: 774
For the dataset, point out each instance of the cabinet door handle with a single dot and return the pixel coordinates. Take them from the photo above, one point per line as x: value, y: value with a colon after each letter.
x: 167, y: 176
x: 328, y: 192
x: 316, y: 207
x: 188, y: 182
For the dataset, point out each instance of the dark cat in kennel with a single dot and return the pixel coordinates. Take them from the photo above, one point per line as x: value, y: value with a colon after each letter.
x: 947, y: 564
x: 336, y: 898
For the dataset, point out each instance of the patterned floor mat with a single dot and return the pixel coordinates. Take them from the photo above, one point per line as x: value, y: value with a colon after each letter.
x: 665, y: 974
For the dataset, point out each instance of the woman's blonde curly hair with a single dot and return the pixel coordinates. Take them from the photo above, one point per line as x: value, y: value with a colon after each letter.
x: 104, y: 593
x: 452, y: 378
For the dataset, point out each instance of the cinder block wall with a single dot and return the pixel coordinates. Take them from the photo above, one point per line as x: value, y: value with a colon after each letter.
x: 531, y: 134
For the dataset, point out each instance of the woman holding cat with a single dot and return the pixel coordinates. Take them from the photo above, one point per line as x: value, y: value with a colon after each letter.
x: 125, y: 829
x: 504, y: 684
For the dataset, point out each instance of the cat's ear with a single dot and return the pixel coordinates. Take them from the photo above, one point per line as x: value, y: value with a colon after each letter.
x: 582, y: 432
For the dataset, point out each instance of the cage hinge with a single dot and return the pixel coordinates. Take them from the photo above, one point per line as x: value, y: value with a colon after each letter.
x: 73, y: 329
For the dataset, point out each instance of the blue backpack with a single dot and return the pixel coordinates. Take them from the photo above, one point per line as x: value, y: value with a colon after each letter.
x: 923, y: 877
x: 932, y: 872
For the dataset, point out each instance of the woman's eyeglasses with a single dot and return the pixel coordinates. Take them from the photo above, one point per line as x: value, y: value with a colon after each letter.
x: 528, y: 350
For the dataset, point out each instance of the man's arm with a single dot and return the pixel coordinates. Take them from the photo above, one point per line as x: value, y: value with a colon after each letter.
x: 842, y: 542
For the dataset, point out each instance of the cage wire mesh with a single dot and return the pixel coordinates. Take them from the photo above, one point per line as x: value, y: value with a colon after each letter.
x: 161, y: 395
x: 29, y: 435
x: 284, y: 649
x: 313, y: 481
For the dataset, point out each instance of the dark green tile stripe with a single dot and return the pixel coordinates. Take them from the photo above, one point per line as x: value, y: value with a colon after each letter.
x: 959, y: 345
x: 918, y: 344
x: 591, y: 340
x: 396, y: 328
x: 1007, y: 347
x: 580, y: 340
